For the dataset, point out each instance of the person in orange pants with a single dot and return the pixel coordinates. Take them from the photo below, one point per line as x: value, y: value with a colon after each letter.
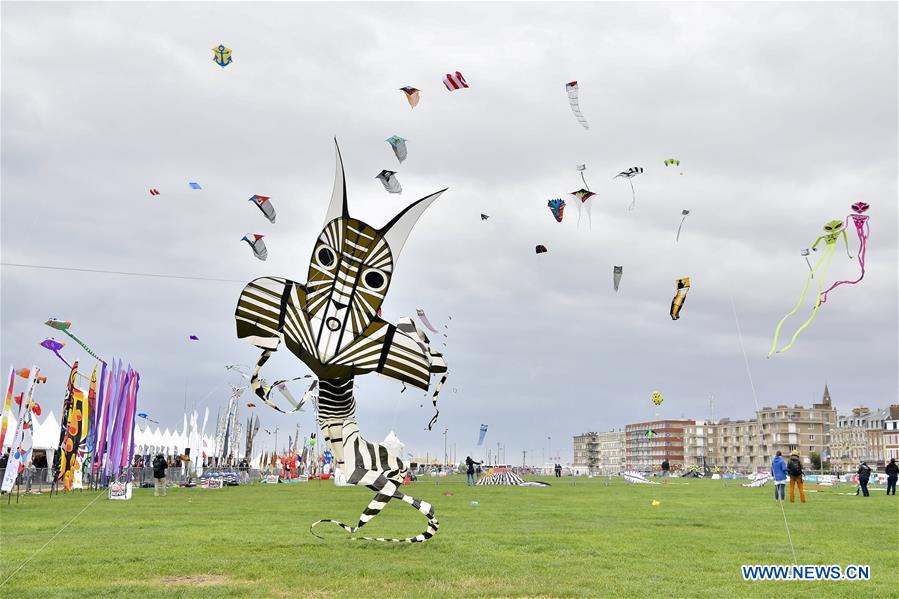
x: 794, y: 469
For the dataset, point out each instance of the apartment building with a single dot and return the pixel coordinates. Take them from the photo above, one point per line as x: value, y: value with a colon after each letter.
x: 647, y: 444
x: 600, y: 453
x: 701, y: 444
x: 891, y: 434
x: 858, y: 437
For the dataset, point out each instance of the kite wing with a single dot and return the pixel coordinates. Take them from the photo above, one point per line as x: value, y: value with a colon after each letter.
x: 255, y: 242
x: 265, y: 206
x: 572, y: 89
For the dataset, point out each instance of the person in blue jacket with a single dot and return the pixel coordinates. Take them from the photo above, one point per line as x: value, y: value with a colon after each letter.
x: 779, y: 472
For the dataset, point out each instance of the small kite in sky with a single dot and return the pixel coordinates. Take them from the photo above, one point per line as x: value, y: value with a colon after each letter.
x: 684, y: 214
x: 222, y: 56
x: 390, y: 182
x: 412, y: 95
x: 617, y: 271
x: 54, y: 346
x: 63, y: 326
x: 399, y: 146
x: 485, y: 216
x: 482, y: 434
x: 683, y: 286
x: 656, y: 398
x: 454, y: 82
x: 673, y: 162
x: 194, y: 338
x: 650, y: 434
x: 583, y: 199
x: 265, y: 206
x: 573, y: 90
x: 154, y: 191
x: 540, y: 249
x: 424, y: 320
x: 805, y: 253
x: 255, y: 242
x: 146, y: 417
x: 250, y: 404
x: 194, y: 185
x: 833, y: 230
x: 629, y: 174
x: 861, y: 228
x: 557, y: 207
x: 581, y: 168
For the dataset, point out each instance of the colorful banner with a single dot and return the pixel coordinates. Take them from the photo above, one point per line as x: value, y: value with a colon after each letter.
x: 20, y: 448
x: 7, y: 405
x: 59, y: 461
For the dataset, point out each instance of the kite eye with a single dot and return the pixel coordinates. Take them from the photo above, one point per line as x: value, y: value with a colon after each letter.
x: 325, y: 257
x: 374, y: 279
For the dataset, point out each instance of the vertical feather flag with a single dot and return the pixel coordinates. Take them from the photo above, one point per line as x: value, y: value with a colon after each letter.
x: 59, y: 464
x: 7, y: 404
x: 20, y: 448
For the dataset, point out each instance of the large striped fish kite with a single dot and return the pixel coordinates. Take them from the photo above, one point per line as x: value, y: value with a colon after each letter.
x: 330, y: 323
x: 573, y: 90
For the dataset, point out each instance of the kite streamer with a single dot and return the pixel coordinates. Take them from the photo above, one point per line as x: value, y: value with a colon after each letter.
x: 833, y: 230
x: 861, y: 228
x: 684, y: 215
x: 582, y: 168
x: 573, y: 91
x: 424, y: 320
x: 583, y: 199
x: 330, y: 323
x: 804, y: 253
x: 629, y: 174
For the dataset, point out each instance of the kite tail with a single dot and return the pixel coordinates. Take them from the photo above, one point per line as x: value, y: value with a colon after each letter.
x: 808, y: 280
x: 862, y: 246
x: 386, y: 490
x: 86, y: 348
x: 676, y: 239
x: 585, y: 181
x: 633, y: 196
x: 828, y: 255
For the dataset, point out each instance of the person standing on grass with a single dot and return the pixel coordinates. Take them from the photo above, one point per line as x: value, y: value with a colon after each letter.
x: 864, y: 474
x: 892, y: 472
x: 470, y: 463
x: 159, y: 466
x: 779, y: 472
x: 666, y: 470
x: 794, y: 469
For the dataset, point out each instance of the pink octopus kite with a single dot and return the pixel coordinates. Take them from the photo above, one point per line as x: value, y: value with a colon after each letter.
x: 861, y: 228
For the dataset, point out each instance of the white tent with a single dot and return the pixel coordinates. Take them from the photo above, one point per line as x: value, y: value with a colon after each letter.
x: 45, y: 435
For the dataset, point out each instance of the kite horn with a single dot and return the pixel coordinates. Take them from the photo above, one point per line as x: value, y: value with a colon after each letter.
x: 397, y: 230
x: 338, y: 206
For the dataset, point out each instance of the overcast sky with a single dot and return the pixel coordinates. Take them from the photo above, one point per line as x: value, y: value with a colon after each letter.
x: 782, y: 115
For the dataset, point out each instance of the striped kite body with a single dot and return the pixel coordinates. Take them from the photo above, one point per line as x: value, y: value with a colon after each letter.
x: 331, y: 324
x: 572, y: 89
x: 454, y: 81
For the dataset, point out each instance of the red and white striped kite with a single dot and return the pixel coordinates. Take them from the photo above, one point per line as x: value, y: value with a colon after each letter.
x: 154, y: 191
x: 454, y: 82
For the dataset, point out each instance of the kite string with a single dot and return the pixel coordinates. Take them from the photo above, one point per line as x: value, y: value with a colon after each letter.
x: 755, y: 398
x: 117, y: 272
x: 66, y: 525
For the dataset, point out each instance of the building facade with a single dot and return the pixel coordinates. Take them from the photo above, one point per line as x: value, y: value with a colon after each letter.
x: 599, y: 453
x: 701, y: 445
x: 858, y: 437
x: 891, y: 434
x: 647, y: 444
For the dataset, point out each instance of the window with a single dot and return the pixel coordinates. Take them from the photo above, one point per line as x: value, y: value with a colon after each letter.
x: 811, y: 437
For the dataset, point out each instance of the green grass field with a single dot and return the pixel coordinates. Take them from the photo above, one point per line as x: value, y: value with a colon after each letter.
x: 592, y: 538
